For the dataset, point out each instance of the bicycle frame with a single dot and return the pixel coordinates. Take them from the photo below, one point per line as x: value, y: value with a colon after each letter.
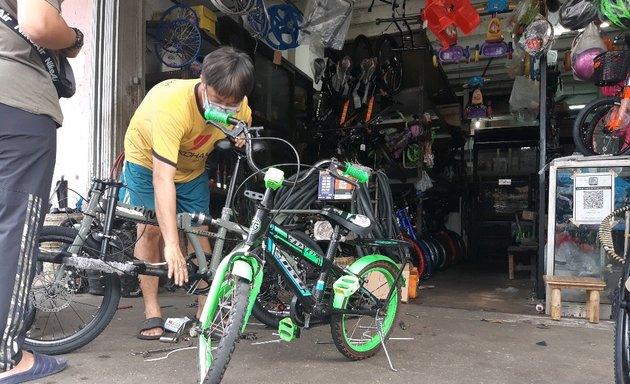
x: 243, y: 263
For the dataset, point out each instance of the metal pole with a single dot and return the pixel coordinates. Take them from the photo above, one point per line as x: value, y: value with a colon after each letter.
x: 542, y: 175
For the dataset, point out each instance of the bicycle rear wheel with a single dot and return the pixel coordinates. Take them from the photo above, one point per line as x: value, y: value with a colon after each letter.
x: 622, y: 330
x: 359, y: 336
x: 67, y: 310
x: 589, y: 130
x: 222, y: 331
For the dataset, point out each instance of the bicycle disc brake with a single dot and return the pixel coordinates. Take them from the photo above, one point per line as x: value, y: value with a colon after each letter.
x: 48, y: 294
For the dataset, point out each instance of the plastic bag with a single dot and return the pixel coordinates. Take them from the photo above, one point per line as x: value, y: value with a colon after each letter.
x: 585, y: 47
x: 576, y: 14
x: 525, y: 94
x: 424, y: 183
x: 326, y: 21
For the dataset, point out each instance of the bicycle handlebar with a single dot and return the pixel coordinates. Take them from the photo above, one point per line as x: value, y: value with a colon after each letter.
x: 221, y: 120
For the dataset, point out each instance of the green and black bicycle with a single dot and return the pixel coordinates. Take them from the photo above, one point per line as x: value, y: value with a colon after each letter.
x: 360, y: 302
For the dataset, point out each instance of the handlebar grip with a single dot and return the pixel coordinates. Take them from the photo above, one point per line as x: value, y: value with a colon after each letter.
x: 359, y: 174
x: 200, y: 219
x: 218, y: 116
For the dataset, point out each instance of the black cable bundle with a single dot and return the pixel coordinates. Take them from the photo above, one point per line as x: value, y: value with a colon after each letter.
x: 301, y: 197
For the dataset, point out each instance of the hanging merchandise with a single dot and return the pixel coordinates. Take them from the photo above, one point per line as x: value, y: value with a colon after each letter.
x: 442, y: 16
x: 257, y: 20
x: 586, y: 46
x: 615, y: 11
x: 326, y: 21
x: 476, y: 109
x: 494, y: 45
x: 577, y: 14
x: 524, y: 13
x: 537, y: 37
x: 284, y: 27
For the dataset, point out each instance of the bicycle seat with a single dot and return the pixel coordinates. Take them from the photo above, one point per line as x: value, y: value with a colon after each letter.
x: 354, y: 222
x: 227, y: 145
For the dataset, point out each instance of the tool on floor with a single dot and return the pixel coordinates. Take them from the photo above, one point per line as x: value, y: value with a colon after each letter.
x: 150, y: 352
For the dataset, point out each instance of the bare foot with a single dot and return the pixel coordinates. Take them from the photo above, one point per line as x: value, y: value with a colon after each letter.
x: 153, y: 332
x: 24, y: 365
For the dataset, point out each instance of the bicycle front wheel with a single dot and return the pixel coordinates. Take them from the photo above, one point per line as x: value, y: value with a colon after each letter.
x: 589, y: 130
x: 69, y: 307
x: 220, y: 333
x: 622, y: 330
x: 359, y: 336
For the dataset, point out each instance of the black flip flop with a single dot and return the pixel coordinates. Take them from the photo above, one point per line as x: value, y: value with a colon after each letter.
x: 150, y: 323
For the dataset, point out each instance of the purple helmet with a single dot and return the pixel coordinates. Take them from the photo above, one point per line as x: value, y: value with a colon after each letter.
x: 582, y: 63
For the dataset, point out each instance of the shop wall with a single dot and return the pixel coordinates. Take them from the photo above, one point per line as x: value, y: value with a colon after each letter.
x: 73, y: 136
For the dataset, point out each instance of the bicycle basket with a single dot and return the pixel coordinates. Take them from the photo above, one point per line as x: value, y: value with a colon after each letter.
x: 611, y: 67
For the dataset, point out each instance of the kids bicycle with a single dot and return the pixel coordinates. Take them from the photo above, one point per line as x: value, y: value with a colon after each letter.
x: 359, y: 302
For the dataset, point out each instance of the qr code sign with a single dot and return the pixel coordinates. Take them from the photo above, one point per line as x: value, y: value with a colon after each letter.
x: 594, y: 199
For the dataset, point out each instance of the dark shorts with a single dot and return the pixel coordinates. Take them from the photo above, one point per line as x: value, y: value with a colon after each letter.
x: 192, y: 196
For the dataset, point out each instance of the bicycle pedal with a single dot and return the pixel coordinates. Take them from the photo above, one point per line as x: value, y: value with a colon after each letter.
x: 288, y: 330
x: 344, y: 287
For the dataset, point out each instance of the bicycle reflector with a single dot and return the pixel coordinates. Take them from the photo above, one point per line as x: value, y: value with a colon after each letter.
x: 274, y: 178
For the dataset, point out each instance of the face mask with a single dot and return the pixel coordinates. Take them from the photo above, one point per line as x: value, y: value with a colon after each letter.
x: 209, y: 105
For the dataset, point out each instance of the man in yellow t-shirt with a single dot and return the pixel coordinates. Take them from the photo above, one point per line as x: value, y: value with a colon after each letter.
x: 166, y: 147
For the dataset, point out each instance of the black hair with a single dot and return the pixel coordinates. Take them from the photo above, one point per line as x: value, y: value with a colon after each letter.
x: 229, y: 72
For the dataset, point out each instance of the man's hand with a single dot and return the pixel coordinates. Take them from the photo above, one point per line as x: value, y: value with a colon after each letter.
x: 239, y: 142
x: 177, y: 269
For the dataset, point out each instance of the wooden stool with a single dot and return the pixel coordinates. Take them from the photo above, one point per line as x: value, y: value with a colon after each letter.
x: 591, y: 285
x: 522, y: 250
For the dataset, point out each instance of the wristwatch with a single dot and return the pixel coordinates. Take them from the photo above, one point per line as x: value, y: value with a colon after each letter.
x: 79, y: 42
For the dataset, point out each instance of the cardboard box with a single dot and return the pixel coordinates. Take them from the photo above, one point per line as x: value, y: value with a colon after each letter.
x: 207, y: 19
x: 377, y: 283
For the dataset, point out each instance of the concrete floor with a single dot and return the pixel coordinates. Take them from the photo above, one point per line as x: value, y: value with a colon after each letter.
x: 450, y: 334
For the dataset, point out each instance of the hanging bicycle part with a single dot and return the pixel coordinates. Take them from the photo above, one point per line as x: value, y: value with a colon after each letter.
x: 326, y: 22
x: 180, y: 11
x: 177, y: 42
x: 234, y: 7
x: 257, y: 21
x: 396, y: 19
x: 284, y: 28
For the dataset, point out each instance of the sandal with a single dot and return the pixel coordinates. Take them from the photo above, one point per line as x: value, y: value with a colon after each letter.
x: 43, y: 366
x: 150, y: 323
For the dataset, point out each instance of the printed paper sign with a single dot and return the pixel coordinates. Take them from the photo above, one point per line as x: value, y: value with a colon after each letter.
x: 592, y: 197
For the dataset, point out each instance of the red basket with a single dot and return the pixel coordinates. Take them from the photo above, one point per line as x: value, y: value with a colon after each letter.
x: 611, y: 67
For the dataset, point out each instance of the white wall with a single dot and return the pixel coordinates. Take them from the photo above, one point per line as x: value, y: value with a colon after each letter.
x: 72, y: 137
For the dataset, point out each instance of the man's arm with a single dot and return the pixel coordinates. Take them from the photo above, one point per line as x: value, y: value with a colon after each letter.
x: 44, y: 25
x: 165, y: 208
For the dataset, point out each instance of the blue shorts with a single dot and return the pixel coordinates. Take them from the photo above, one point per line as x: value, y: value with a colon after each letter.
x: 192, y: 196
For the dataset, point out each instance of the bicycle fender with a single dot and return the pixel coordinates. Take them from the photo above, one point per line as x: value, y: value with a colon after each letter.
x: 358, y: 265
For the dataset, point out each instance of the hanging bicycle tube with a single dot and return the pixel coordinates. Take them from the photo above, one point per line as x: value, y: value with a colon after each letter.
x: 284, y: 27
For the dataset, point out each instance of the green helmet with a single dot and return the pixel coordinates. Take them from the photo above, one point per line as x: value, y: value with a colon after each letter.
x: 616, y: 11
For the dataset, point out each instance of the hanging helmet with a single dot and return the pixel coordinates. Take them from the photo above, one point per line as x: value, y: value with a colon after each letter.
x: 576, y: 14
x: 616, y: 11
x: 582, y: 63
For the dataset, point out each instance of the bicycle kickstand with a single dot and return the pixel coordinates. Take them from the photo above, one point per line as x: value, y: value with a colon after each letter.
x: 379, y: 324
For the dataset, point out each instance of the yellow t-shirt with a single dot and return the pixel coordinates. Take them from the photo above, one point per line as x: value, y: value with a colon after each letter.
x: 169, y: 125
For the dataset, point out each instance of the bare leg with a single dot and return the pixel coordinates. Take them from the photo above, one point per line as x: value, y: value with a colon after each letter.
x: 148, y: 249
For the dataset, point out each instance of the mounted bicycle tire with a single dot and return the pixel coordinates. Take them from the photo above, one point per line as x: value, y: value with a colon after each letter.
x: 284, y: 26
x: 222, y: 331
x: 234, y: 7
x: 358, y: 337
x: 589, y: 133
x: 84, y: 315
x: 177, y: 42
x: 390, y: 63
x: 180, y: 11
